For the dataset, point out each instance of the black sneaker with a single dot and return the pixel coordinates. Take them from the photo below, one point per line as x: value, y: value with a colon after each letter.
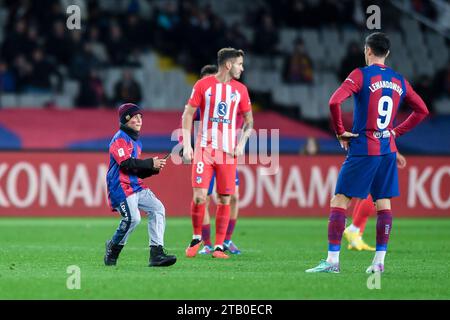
x: 159, y: 257
x: 112, y: 253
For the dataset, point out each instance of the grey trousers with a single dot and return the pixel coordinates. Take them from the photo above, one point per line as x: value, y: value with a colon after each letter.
x: 129, y: 210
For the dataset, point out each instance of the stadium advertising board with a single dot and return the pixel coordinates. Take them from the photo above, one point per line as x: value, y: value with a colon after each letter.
x: 73, y: 184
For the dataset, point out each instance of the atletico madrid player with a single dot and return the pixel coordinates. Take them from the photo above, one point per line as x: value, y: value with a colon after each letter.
x: 220, y: 97
x: 370, y: 166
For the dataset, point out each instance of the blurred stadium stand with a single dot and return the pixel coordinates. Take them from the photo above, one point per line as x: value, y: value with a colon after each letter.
x: 164, y: 43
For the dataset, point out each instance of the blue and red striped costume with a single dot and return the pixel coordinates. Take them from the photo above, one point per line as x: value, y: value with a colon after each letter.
x: 122, y: 184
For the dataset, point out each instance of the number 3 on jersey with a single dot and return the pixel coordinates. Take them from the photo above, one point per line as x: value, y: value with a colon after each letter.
x: 200, y: 166
x: 385, y: 105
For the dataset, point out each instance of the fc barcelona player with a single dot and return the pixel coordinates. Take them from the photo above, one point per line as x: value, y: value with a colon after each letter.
x: 370, y: 166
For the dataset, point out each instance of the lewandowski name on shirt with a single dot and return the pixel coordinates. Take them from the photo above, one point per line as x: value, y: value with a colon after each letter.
x: 386, y: 84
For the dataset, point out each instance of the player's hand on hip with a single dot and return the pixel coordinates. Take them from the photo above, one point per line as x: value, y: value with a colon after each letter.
x: 344, y: 139
x: 158, y: 163
x: 188, y: 154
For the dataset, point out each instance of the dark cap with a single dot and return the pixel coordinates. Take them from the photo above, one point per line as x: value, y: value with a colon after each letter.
x: 127, y: 111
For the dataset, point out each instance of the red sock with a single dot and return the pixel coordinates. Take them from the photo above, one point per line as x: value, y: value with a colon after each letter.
x: 206, y: 234
x: 230, y: 229
x: 363, y: 209
x: 197, y: 214
x: 222, y: 220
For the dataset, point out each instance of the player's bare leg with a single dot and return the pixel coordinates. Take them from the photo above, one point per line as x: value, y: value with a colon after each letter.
x: 234, y: 205
x: 197, y: 213
x: 206, y: 230
x: 353, y: 233
x: 336, y: 225
x: 222, y: 220
x: 384, y: 226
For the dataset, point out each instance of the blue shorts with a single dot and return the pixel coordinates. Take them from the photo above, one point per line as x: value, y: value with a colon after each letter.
x: 361, y: 175
x: 213, y: 179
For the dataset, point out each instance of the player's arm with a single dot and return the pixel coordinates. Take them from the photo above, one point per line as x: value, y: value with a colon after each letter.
x: 119, y: 149
x: 187, y: 119
x: 194, y: 101
x: 246, y: 132
x: 401, y: 161
x: 419, y: 113
x: 245, y: 108
x: 351, y: 85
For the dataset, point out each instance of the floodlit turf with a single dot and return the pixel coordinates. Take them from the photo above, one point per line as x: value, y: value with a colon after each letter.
x: 35, y: 254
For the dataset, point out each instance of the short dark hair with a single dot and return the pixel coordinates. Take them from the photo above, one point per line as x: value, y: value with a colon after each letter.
x: 225, y: 54
x: 379, y: 43
x: 207, y: 70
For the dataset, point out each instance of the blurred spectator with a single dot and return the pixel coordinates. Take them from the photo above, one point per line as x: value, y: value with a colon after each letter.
x: 311, y: 147
x: 15, y: 42
x: 167, y: 22
x: 76, y: 42
x: 424, y: 7
x: 39, y: 80
x: 32, y: 39
x: 118, y: 47
x: 92, y: 93
x: 136, y: 32
x: 298, y: 66
x: 353, y: 59
x: 127, y: 90
x: 298, y: 14
x: 22, y: 69
x: 83, y: 62
x: 97, y: 47
x: 266, y: 38
x: 7, y: 81
x: 235, y: 38
x: 442, y: 82
x: 58, y: 44
x: 424, y: 88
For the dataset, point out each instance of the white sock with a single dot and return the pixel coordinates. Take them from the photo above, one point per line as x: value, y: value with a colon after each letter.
x: 379, y: 257
x: 197, y: 237
x: 353, y: 228
x: 333, y: 257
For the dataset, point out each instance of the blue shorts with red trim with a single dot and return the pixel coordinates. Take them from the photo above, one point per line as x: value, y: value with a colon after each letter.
x: 361, y: 175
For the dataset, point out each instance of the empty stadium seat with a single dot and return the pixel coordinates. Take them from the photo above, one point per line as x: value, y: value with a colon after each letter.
x: 8, y: 101
x: 442, y: 106
x: 34, y: 100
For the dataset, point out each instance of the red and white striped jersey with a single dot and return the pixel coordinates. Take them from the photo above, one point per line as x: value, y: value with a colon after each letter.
x: 219, y: 105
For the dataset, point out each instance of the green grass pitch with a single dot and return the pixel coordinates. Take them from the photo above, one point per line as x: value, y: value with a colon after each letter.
x: 35, y: 254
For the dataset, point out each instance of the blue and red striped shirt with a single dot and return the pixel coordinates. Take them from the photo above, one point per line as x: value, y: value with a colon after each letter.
x: 378, y: 92
x: 120, y: 183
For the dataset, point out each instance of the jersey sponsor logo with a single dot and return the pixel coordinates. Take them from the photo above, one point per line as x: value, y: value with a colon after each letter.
x: 222, y: 109
x: 121, y: 152
x: 382, y: 134
x: 198, y: 179
x: 220, y: 120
